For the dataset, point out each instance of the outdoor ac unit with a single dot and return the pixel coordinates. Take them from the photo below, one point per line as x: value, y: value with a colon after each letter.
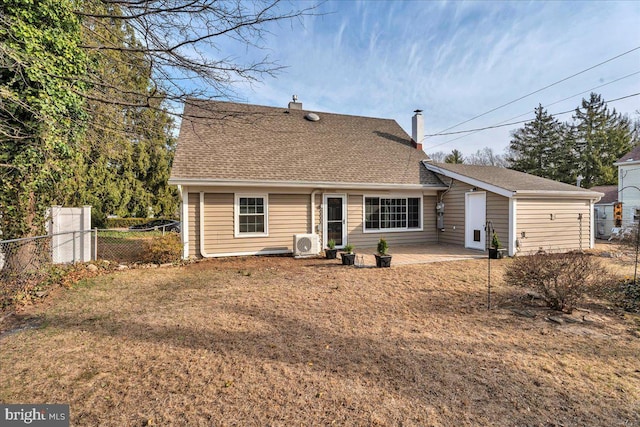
x: 305, y: 245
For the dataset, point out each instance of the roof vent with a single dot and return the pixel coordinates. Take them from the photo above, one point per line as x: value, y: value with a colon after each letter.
x: 312, y: 117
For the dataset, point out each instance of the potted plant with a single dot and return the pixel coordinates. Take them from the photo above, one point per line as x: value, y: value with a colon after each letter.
x: 331, y: 252
x: 383, y: 259
x: 348, y: 257
x: 496, y: 251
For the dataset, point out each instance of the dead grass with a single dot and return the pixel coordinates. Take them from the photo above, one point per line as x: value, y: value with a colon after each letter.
x: 284, y: 342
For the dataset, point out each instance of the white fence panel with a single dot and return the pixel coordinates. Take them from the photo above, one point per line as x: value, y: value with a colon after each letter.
x: 75, y: 244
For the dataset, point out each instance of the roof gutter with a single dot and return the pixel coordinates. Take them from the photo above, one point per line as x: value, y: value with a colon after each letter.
x: 591, y: 195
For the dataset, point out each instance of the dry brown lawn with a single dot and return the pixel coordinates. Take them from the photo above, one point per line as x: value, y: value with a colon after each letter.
x: 284, y: 342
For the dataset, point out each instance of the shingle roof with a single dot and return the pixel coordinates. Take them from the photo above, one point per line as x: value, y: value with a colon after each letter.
x: 633, y: 155
x: 508, y: 179
x: 610, y: 193
x: 232, y: 141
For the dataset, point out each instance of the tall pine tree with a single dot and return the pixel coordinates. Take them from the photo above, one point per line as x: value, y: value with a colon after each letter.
x: 601, y: 136
x: 538, y: 148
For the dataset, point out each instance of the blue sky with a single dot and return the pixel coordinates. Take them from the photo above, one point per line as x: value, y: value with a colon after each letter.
x: 454, y: 60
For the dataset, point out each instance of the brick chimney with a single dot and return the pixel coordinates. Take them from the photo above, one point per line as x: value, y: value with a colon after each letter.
x: 417, y: 129
x: 295, y: 105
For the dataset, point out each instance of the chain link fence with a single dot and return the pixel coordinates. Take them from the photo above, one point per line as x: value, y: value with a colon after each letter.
x: 127, y: 246
x: 28, y: 264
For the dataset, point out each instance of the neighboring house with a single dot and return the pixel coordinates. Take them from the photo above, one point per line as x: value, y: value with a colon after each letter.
x: 629, y: 185
x: 251, y: 177
x: 527, y: 212
x: 603, y: 210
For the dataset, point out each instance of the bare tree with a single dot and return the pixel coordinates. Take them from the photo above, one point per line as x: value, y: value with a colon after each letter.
x: 438, y: 156
x: 182, y: 44
x: 486, y: 157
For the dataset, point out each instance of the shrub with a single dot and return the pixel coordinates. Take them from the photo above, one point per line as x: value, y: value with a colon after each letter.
x: 383, y: 247
x: 626, y: 294
x: 331, y: 244
x: 163, y: 249
x: 348, y: 248
x: 495, y: 241
x: 561, y: 279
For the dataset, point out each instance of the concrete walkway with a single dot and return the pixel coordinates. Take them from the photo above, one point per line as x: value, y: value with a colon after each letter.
x: 418, y: 254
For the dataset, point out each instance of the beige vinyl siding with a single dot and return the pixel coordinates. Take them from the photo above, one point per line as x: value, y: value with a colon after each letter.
x: 559, y: 234
x: 369, y: 240
x: 498, y: 214
x: 288, y: 214
x: 454, y: 216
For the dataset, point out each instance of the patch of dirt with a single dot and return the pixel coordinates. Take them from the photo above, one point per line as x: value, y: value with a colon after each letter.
x: 278, y: 341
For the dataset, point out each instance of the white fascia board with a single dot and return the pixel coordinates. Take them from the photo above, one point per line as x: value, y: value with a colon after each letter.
x: 302, y: 184
x: 470, y: 181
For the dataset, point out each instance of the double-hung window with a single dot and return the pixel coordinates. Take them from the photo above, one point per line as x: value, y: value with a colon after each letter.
x: 392, y: 213
x: 251, y: 215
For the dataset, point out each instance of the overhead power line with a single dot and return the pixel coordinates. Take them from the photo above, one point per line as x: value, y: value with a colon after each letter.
x: 544, y: 106
x: 539, y: 90
x: 519, y: 122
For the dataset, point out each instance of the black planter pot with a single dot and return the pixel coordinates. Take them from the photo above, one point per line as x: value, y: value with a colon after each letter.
x: 348, y: 259
x: 331, y: 253
x: 496, y: 253
x: 383, y: 261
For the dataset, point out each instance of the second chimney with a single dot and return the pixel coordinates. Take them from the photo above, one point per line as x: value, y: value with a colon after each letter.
x: 417, y: 129
x: 295, y: 105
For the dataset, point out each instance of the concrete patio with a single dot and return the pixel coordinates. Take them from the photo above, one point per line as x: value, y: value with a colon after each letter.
x: 418, y: 254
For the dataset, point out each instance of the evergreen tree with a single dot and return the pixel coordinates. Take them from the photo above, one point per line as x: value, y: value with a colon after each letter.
x: 538, y: 148
x: 454, y: 157
x: 601, y: 136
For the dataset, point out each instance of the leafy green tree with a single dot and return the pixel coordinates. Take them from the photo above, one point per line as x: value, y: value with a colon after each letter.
x: 601, y: 136
x: 454, y: 157
x: 42, y: 112
x: 538, y: 147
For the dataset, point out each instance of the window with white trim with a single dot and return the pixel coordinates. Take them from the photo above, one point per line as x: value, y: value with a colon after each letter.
x: 392, y: 213
x: 251, y: 215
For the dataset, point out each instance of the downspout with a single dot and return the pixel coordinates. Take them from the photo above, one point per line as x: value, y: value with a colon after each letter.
x: 184, y: 219
x: 444, y: 193
x: 201, y: 225
x: 514, y: 242
x: 313, y: 210
x: 592, y: 233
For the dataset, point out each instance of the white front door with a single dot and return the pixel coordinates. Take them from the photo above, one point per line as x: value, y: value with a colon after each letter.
x: 475, y: 208
x: 335, y: 219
